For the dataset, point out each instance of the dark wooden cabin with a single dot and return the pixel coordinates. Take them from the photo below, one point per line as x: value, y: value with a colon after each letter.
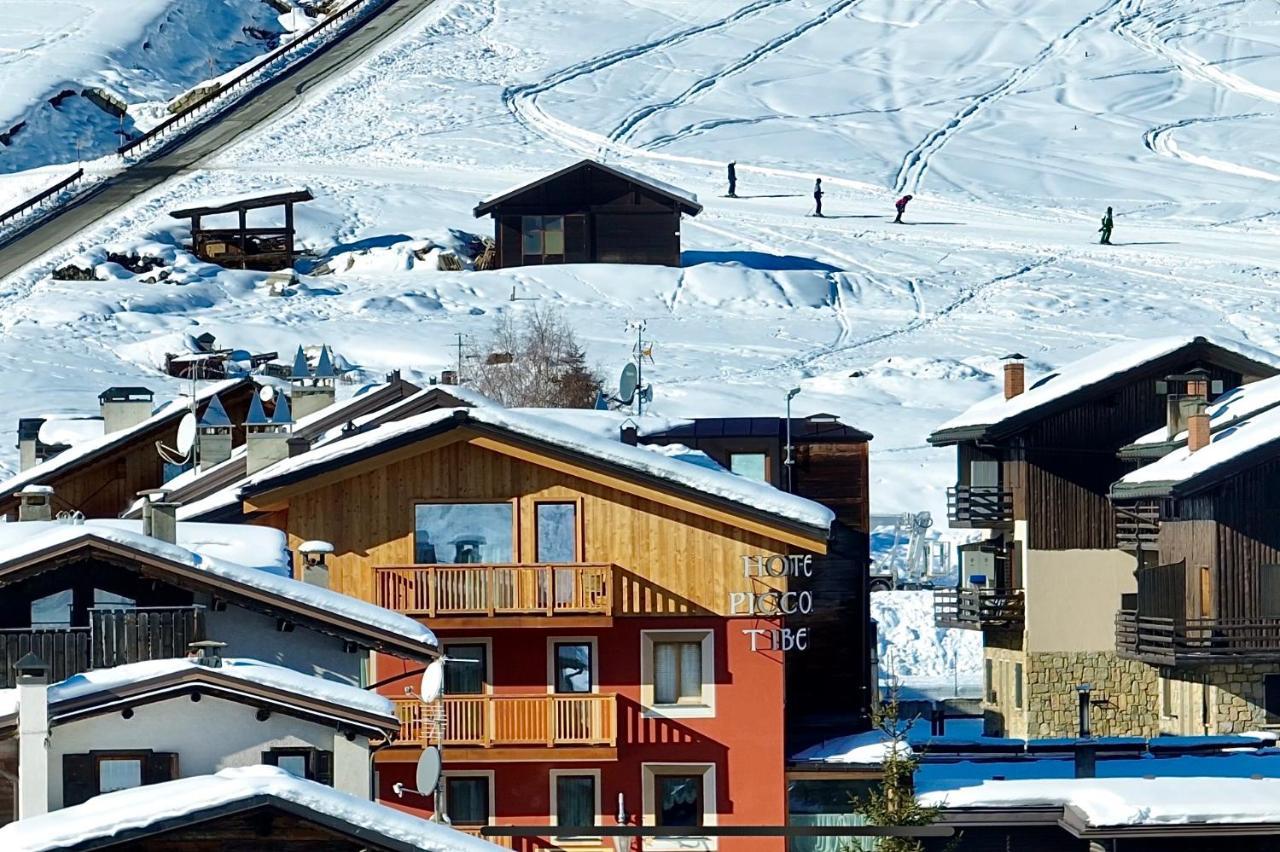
x: 829, y: 688
x: 589, y: 213
x: 243, y: 247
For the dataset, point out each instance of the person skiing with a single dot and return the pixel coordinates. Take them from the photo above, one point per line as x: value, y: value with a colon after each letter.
x: 901, y: 204
x: 1108, y: 223
x: 733, y: 180
x: 817, y: 197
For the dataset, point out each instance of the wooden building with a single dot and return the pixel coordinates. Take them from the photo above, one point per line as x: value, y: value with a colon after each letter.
x: 589, y: 213
x: 268, y: 247
x: 620, y: 622
x: 1034, y: 466
x: 1205, y: 614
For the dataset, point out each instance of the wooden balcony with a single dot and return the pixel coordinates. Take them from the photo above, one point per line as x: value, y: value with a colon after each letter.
x: 114, y: 637
x: 1173, y: 642
x: 979, y: 506
x: 979, y: 609
x: 1138, y: 526
x: 484, y: 727
x: 584, y: 591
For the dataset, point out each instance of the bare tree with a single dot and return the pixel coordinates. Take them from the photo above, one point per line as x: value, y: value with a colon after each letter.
x: 535, y: 362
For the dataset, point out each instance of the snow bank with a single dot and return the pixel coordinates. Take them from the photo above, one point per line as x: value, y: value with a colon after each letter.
x: 912, y: 648
x: 130, y: 810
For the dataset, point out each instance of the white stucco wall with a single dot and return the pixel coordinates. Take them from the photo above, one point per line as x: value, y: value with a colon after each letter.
x: 208, y: 735
x: 1072, y: 598
x: 251, y: 634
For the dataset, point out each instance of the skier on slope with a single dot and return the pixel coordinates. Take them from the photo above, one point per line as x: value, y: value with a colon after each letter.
x: 817, y: 197
x: 901, y: 204
x: 1108, y: 223
x: 733, y: 179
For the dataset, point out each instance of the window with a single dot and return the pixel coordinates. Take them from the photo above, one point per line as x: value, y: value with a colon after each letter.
x: 86, y: 775
x: 575, y: 797
x: 1017, y: 685
x: 573, y: 668
x: 679, y: 795
x: 466, y: 668
x: 468, y: 798
x: 679, y: 800
x: 751, y: 465
x: 542, y: 239
x: 988, y: 680
x: 119, y: 773
x: 1271, y: 698
x: 463, y: 533
x: 110, y: 600
x: 294, y: 764
x: 312, y: 764
x: 52, y: 610
x: 677, y: 673
x: 556, y: 537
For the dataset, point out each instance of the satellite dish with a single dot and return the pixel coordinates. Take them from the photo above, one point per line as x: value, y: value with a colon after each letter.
x: 432, y: 681
x: 187, y: 434
x: 627, y: 383
x: 266, y: 393
x: 428, y: 774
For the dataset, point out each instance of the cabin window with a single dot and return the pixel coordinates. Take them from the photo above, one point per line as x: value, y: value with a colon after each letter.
x: 679, y: 800
x: 1271, y: 698
x: 52, y: 610
x: 466, y: 669
x: 542, y: 239
x: 573, y: 668
x: 468, y: 798
x: 677, y: 673
x: 119, y: 773
x: 984, y: 473
x: 464, y: 533
x: 576, y: 796
x: 751, y: 465
x: 679, y: 795
x: 312, y: 764
x: 556, y: 533
x: 1017, y: 685
x: 90, y: 774
x: 110, y: 600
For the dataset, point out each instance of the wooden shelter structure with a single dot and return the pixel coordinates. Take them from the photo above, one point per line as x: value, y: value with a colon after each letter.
x: 243, y: 247
x: 589, y: 213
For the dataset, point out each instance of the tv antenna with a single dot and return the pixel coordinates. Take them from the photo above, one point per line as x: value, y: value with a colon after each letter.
x: 631, y: 386
x: 186, y: 439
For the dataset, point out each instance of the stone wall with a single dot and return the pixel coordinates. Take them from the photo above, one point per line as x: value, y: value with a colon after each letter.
x: 1235, y: 698
x: 1124, y: 692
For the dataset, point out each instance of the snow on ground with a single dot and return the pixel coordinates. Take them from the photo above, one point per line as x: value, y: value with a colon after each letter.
x: 1013, y: 124
x: 926, y: 661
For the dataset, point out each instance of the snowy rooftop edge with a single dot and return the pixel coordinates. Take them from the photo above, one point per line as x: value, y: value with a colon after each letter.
x: 1088, y: 371
x: 136, y: 809
x: 1224, y: 446
x: 754, y: 495
x: 1236, y: 404
x: 639, y: 177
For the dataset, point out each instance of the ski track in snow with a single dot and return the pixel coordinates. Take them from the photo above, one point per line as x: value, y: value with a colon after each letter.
x: 1160, y: 140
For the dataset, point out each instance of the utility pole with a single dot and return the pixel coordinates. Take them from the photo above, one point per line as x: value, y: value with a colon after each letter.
x: 640, y: 368
x: 788, y: 462
x: 459, y: 378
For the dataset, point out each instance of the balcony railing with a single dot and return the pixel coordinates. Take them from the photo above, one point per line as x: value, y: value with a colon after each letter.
x: 483, y: 590
x: 975, y: 609
x: 1170, y: 641
x: 1138, y: 526
x: 979, y: 505
x: 485, y: 721
x: 114, y: 637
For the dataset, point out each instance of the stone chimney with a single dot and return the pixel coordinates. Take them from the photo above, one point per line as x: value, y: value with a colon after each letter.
x: 315, y: 570
x: 124, y: 407
x: 35, y: 503
x: 33, y: 736
x: 159, y: 515
x: 207, y: 653
x: 28, y: 440
x: 213, y: 435
x: 1198, y: 429
x: 312, y: 389
x: 1015, y: 375
x: 266, y: 441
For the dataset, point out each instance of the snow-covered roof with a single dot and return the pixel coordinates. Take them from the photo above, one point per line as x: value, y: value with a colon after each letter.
x: 70, y: 430
x: 172, y: 410
x: 251, y: 671
x: 1129, y: 801
x: 683, y: 195
x: 754, y: 495
x: 1088, y: 372
x: 1181, y: 465
x: 216, y: 203
x: 292, y: 594
x: 129, y: 812
x: 1234, y: 405
x: 868, y: 748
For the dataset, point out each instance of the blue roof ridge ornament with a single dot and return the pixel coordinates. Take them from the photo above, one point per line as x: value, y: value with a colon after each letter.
x: 301, y: 370
x: 257, y: 416
x: 324, y: 365
x: 282, y: 416
x: 215, y: 415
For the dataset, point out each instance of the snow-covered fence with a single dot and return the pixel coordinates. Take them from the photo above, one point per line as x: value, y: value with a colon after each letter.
x: 39, y: 199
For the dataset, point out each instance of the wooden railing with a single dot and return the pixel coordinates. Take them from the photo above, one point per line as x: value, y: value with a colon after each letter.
x: 1170, y: 641
x: 974, y: 609
x: 589, y: 719
x: 114, y: 637
x: 979, y: 505
x: 1138, y: 525
x: 462, y: 590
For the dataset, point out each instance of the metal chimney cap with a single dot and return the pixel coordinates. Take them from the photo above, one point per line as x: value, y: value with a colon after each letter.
x: 36, y: 491
x: 1014, y: 356
x: 31, y: 666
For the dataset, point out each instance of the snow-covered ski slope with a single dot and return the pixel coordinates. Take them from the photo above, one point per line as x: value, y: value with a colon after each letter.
x: 1013, y: 122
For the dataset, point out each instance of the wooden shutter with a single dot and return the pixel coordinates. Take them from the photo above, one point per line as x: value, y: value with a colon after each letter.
x: 159, y: 766
x: 79, y: 779
x: 322, y: 767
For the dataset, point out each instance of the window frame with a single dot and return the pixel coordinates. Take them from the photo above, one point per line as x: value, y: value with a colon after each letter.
x: 487, y: 642
x: 101, y: 757
x: 487, y: 774
x: 578, y: 530
x: 706, y: 707
x: 762, y: 454
x: 515, y: 525
x: 542, y: 254
x: 552, y: 642
x: 309, y: 754
x: 649, y: 773
x: 553, y: 775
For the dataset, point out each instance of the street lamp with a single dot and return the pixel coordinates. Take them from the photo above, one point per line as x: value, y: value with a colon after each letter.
x: 788, y: 461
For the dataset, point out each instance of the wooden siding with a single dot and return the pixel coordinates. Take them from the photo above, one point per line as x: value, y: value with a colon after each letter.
x: 670, y: 560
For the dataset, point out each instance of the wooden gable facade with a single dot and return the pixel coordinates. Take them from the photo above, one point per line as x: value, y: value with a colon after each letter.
x: 588, y: 213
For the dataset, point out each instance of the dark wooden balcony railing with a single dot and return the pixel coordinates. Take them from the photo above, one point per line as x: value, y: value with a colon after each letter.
x: 1170, y: 641
x: 496, y: 590
x: 1138, y: 526
x: 114, y: 637
x: 979, y: 505
x: 484, y: 721
x: 975, y: 609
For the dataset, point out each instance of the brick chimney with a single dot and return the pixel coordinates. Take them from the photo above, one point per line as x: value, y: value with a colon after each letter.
x: 1198, y: 429
x: 35, y: 503
x: 1015, y: 375
x: 33, y: 736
